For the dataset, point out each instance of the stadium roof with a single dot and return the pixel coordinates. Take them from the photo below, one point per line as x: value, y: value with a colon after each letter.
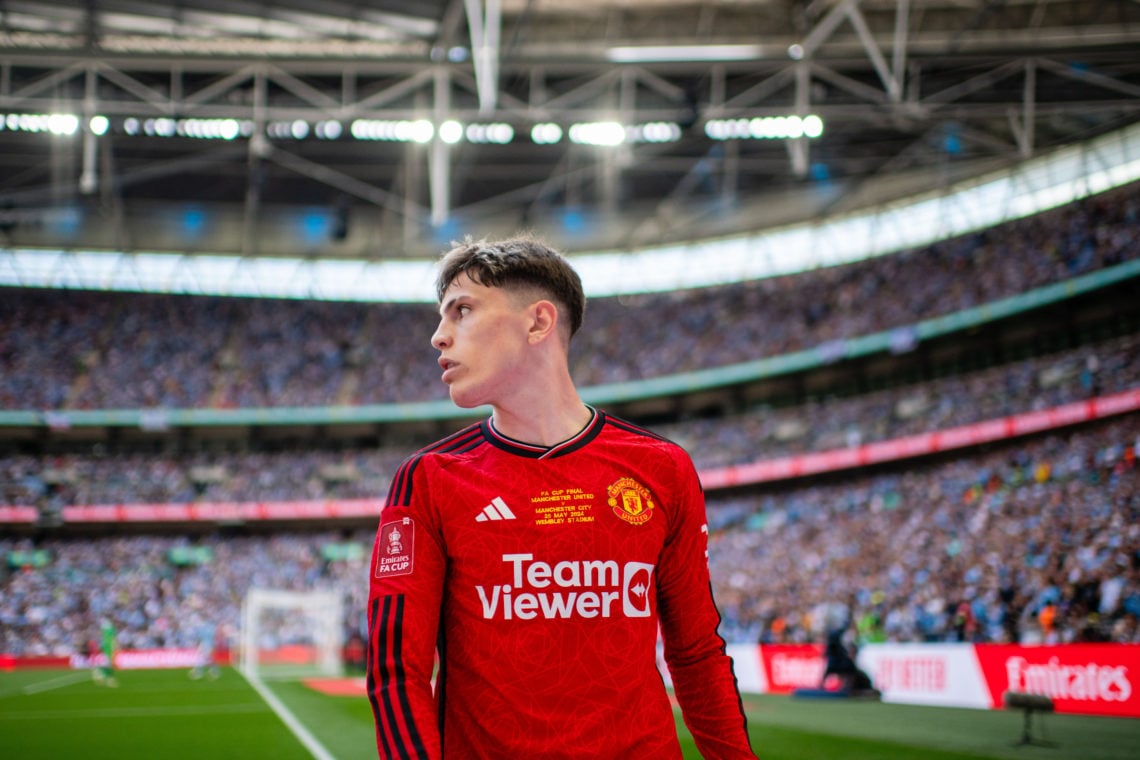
x: 302, y: 108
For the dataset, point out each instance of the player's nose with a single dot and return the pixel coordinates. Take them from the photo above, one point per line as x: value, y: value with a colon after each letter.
x: 440, y: 339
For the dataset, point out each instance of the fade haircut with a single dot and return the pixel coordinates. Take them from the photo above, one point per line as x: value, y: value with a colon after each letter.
x: 514, y: 264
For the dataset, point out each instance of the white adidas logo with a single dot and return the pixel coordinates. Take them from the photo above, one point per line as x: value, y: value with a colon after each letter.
x: 496, y: 510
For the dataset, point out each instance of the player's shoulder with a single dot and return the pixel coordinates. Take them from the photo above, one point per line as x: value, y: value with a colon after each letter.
x: 643, y: 436
x: 456, y: 444
x: 411, y: 469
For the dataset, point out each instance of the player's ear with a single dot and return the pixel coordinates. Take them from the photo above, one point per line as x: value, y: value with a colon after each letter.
x: 544, y: 320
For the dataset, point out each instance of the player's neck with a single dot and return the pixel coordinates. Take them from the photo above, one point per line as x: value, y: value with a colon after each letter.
x: 547, y: 421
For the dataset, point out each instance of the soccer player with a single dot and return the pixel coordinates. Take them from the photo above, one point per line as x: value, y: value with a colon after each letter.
x: 105, y: 673
x: 540, y: 552
x: 207, y: 659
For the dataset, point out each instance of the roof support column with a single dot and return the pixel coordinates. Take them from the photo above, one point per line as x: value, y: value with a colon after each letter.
x: 89, y: 175
x: 485, y: 32
x: 439, y: 157
x: 1030, y: 116
x: 798, y: 146
x: 259, y: 148
x: 898, y: 62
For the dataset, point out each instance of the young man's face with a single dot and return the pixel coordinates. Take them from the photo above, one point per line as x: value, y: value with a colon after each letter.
x: 481, y: 339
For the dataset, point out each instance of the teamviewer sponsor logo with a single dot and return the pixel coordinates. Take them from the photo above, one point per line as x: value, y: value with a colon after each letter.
x: 568, y: 589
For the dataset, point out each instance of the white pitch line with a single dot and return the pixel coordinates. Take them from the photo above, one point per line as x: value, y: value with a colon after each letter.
x: 101, y: 713
x: 316, y: 749
x: 56, y: 683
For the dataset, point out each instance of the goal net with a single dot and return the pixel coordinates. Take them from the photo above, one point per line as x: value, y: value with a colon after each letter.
x: 291, y: 634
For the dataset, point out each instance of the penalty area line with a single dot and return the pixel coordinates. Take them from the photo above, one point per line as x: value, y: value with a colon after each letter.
x: 316, y: 749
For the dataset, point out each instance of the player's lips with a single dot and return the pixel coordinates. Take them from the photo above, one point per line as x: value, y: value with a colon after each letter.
x: 447, y: 366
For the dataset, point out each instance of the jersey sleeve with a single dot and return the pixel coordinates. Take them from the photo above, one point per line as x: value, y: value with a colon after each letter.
x: 703, y: 679
x: 405, y: 591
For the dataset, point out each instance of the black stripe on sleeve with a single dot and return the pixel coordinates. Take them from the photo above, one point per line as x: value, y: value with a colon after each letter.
x: 400, y: 490
x: 386, y: 729
x: 392, y: 619
x: 397, y: 482
x: 402, y: 679
x: 403, y: 496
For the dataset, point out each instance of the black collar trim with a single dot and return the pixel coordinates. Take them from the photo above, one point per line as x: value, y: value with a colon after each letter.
x: 532, y: 451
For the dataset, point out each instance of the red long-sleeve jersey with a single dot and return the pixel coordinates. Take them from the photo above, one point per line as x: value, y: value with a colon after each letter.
x: 541, y: 576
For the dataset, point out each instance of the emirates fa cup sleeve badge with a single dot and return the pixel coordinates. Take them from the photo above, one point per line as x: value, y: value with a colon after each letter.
x: 396, y: 545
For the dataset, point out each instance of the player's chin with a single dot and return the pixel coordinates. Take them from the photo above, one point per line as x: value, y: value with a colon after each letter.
x: 463, y: 400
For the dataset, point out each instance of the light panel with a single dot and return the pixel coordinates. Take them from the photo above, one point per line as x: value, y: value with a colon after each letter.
x: 658, y: 53
x: 63, y: 124
x: 765, y: 128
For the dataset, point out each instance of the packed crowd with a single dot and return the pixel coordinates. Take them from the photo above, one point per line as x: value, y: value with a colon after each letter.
x: 152, y: 599
x: 1037, y: 541
x: 84, y: 350
x: 833, y: 423
x: 1021, y: 386
x: 1033, y: 541
x: 648, y: 336
x: 122, y: 478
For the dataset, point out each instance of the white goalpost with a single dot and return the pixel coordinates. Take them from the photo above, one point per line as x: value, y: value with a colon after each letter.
x: 291, y: 634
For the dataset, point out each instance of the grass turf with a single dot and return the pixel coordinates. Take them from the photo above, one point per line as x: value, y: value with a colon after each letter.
x: 45, y: 715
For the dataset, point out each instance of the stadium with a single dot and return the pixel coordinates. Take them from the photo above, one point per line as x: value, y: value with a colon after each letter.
x: 875, y: 264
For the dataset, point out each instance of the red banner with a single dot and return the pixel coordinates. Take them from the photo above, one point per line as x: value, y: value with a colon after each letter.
x: 1089, y: 679
x: 10, y: 662
x: 1093, y: 679
x: 723, y: 477
x: 793, y: 666
x: 18, y: 514
x: 224, y: 511
x: 921, y: 443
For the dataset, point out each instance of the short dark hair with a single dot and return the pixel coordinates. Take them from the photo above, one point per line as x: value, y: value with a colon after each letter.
x: 516, y: 263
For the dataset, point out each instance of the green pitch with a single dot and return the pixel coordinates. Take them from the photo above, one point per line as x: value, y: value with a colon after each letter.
x: 46, y: 715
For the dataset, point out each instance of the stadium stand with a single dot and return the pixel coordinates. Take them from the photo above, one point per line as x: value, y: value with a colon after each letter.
x: 1030, y: 539
x: 153, y: 598
x: 1033, y: 542
x: 102, y: 351
x: 1034, y: 383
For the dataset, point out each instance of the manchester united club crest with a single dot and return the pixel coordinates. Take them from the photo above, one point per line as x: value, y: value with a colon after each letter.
x: 631, y: 501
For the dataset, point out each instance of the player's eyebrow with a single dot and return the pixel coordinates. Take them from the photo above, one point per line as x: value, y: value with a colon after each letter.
x: 450, y: 304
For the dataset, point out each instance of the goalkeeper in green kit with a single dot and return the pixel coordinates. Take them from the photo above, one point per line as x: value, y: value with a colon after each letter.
x: 105, y: 672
